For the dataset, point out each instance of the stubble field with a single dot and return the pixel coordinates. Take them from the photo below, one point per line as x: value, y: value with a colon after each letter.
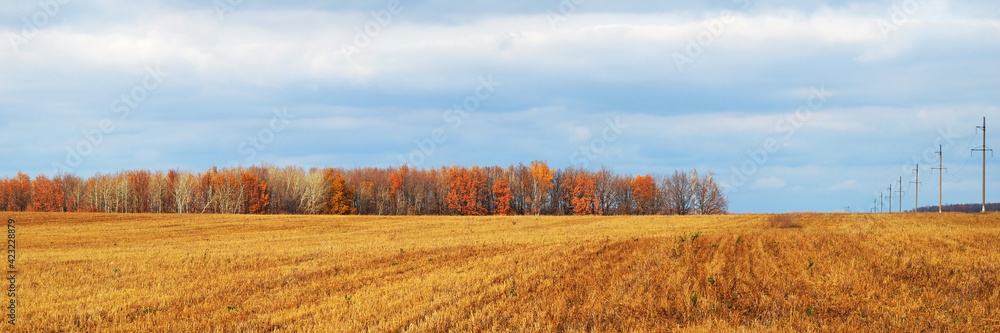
x: 233, y: 273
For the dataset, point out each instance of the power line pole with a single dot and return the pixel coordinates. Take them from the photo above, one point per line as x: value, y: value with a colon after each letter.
x: 875, y: 206
x: 900, y: 194
x: 881, y: 196
x: 940, y: 170
x: 890, y: 197
x: 916, y: 205
x: 984, y: 150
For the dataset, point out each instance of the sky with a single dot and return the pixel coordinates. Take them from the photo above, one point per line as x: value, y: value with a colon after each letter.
x: 794, y: 105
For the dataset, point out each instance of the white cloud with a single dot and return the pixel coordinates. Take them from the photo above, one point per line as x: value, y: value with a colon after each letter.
x: 847, y: 185
x: 560, y: 85
x: 768, y: 183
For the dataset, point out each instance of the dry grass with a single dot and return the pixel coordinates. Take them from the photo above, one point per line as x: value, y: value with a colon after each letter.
x: 109, y: 273
x: 784, y: 221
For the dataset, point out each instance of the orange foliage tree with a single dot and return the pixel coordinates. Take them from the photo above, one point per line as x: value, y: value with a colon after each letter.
x: 503, y: 197
x: 340, y: 196
x: 584, y: 200
x: 541, y: 183
x: 47, y: 195
x: 4, y: 193
x: 19, y: 197
x: 254, y: 193
x: 579, y: 192
x: 645, y: 194
x: 399, y: 191
x: 467, y: 187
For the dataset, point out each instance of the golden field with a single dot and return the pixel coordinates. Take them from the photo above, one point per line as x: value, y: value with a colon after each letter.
x: 235, y: 273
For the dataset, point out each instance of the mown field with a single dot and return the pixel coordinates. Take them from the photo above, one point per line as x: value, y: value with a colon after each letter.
x: 235, y: 273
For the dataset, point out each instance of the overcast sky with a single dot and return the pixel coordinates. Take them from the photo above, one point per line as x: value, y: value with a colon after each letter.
x: 795, y: 105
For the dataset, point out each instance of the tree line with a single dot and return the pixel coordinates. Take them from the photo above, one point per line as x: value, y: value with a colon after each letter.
x: 513, y: 190
x: 961, y: 208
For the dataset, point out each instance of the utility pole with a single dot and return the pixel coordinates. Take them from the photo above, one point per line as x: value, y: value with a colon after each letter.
x: 890, y: 197
x: 916, y: 205
x: 875, y: 206
x: 984, y: 150
x: 900, y: 194
x: 940, y: 170
x: 881, y: 196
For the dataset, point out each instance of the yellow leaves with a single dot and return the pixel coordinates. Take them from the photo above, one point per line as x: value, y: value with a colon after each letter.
x: 542, y: 174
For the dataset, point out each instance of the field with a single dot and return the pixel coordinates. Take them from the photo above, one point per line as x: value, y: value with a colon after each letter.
x: 231, y: 273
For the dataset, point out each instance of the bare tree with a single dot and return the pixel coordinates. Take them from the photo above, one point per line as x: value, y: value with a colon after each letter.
x: 677, y: 193
x: 184, y: 192
x: 708, y: 197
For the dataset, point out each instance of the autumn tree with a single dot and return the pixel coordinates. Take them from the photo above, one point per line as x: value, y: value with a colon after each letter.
x: 402, y: 192
x: 19, y: 197
x: 584, y: 196
x: 604, y: 191
x: 156, y: 192
x: 520, y: 188
x: 541, y: 183
x: 645, y: 194
x: 622, y: 195
x: 4, y: 193
x: 138, y: 197
x: 340, y: 196
x: 503, y: 197
x: 467, y: 188
x: 47, y: 195
x: 254, y: 192
x: 577, y: 192
x: 286, y: 189
x: 73, y: 191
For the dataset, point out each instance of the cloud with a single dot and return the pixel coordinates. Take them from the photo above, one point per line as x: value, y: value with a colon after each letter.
x: 768, y: 184
x: 847, y: 185
x: 561, y: 84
